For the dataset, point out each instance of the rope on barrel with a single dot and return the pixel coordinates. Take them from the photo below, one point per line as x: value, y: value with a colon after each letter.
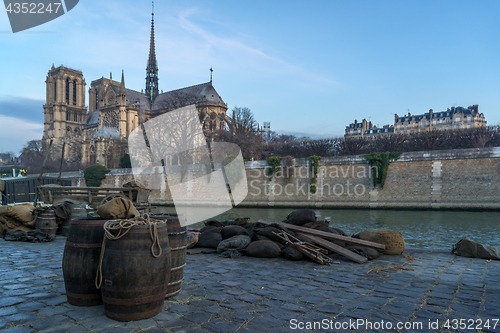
x: 122, y: 227
x: 381, y: 270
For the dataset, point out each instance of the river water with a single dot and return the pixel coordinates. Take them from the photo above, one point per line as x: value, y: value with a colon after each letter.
x: 420, y: 228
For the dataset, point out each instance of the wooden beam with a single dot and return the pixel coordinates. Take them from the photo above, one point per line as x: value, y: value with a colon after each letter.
x: 330, y: 235
x: 335, y: 248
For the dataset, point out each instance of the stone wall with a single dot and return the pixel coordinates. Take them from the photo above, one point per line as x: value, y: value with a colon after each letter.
x: 448, y: 179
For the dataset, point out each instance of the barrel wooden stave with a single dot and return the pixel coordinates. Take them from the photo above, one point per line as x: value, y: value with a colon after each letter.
x: 177, y: 238
x: 134, y: 283
x: 46, y: 222
x: 80, y: 260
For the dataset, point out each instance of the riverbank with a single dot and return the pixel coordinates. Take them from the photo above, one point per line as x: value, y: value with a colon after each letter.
x: 263, y: 295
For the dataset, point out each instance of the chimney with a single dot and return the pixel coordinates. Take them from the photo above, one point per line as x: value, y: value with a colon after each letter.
x: 396, y: 117
x: 452, y: 108
x: 370, y: 125
x: 355, y: 121
x: 431, y: 112
x: 409, y: 114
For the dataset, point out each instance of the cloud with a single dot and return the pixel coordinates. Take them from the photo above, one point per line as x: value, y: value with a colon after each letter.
x: 21, y: 107
x: 238, y: 50
x: 16, y: 132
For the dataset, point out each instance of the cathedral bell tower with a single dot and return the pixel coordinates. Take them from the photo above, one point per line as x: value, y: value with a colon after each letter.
x: 152, y: 69
x: 64, y: 111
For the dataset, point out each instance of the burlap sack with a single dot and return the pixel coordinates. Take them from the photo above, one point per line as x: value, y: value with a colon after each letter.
x: 291, y: 253
x: 232, y: 230
x: 263, y: 249
x: 12, y: 224
x: 365, y: 251
x: 393, y: 240
x: 192, y: 239
x: 210, y: 238
x: 22, y: 212
x: 301, y: 217
x: 117, y: 208
x: 471, y: 249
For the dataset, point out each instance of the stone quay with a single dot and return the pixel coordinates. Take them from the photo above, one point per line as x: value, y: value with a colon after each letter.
x: 443, y: 293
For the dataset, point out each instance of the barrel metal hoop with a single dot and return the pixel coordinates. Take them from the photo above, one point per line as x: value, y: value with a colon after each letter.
x: 178, y: 248
x: 176, y: 233
x: 176, y: 282
x: 178, y: 267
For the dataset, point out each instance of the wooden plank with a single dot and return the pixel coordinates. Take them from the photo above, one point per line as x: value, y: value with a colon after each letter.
x: 335, y: 248
x: 329, y: 235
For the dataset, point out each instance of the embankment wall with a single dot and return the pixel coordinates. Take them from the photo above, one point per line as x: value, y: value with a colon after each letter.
x: 448, y: 179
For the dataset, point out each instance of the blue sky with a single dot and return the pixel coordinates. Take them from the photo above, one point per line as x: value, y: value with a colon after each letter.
x: 308, y: 67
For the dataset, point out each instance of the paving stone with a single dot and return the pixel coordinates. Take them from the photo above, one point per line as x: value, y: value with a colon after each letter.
x: 198, y: 317
x: 21, y: 329
x: 250, y: 298
x: 7, y: 311
x: 8, y: 301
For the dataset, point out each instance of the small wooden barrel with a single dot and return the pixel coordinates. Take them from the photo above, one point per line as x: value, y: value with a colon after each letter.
x: 177, y: 238
x: 80, y: 261
x: 134, y: 282
x: 46, y: 222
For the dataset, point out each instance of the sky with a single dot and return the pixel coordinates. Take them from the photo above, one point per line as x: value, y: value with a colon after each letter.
x: 307, y: 67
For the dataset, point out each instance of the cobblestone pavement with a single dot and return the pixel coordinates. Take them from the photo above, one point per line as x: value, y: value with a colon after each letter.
x: 264, y: 295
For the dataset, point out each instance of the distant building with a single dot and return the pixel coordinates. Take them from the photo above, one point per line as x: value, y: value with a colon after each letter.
x: 451, y: 119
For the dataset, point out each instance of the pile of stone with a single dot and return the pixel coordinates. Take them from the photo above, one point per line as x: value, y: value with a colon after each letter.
x: 299, y: 237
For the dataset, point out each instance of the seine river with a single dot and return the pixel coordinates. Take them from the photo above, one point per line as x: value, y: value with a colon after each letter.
x: 420, y: 228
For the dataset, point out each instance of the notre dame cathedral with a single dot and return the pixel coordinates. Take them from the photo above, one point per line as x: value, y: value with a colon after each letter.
x: 99, y: 135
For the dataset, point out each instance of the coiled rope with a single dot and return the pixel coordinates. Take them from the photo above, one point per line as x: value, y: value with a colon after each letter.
x: 381, y: 270
x: 120, y: 228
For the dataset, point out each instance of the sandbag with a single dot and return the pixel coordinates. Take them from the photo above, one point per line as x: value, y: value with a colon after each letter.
x: 268, y: 232
x: 241, y: 221
x: 232, y: 230
x: 192, y: 238
x: 301, y: 217
x: 10, y: 223
x: 393, y: 240
x: 291, y: 253
x: 21, y: 212
x: 207, y: 227
x: 314, y: 225
x: 232, y: 247
x: 117, y: 208
x: 263, y: 249
x: 365, y: 251
x: 471, y: 249
x: 210, y: 238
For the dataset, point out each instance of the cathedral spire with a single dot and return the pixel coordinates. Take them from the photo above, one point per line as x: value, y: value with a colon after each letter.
x: 152, y: 69
x: 122, y: 84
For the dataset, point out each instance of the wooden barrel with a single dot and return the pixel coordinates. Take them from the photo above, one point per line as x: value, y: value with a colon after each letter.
x: 77, y: 212
x: 134, y: 282
x: 177, y: 238
x: 80, y: 261
x: 46, y: 222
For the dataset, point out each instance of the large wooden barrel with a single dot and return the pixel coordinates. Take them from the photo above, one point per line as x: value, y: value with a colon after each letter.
x: 46, y: 222
x: 177, y: 238
x: 77, y: 212
x: 134, y: 282
x: 80, y: 261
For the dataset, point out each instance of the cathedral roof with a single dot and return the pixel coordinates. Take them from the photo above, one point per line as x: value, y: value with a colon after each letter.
x: 107, y: 132
x: 204, y: 92
x: 138, y: 99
